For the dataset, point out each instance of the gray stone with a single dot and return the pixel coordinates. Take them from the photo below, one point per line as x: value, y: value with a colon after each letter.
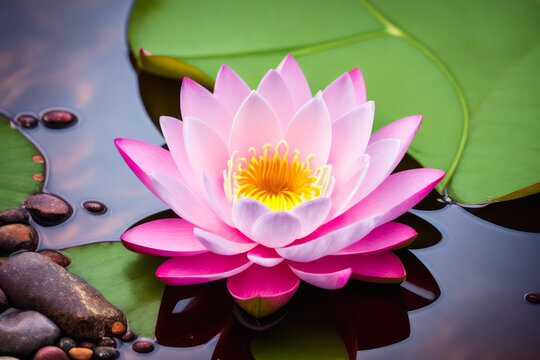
x: 23, y: 332
x: 14, y: 237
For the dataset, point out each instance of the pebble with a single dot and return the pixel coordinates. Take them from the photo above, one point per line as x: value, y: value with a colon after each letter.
x: 58, y: 119
x: 107, y: 342
x: 4, y: 303
x: 38, y: 177
x: 56, y: 256
x: 47, y: 209
x: 94, y: 207
x: 66, y: 344
x: 143, y: 346
x: 129, y: 336
x: 87, y: 344
x: 51, y: 353
x: 23, y: 332
x: 27, y: 121
x: 533, y: 298
x: 38, y: 159
x: 105, y: 353
x: 118, y: 328
x: 14, y: 237
x: 80, y: 353
x: 32, y: 281
x: 14, y: 216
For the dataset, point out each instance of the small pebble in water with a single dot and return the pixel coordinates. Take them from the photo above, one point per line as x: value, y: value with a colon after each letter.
x: 50, y: 353
x: 58, y: 119
x: 47, y: 209
x: 142, y: 346
x: 80, y: 353
x: 66, y: 343
x: 38, y: 158
x: 118, y: 328
x: 38, y: 177
x: 533, y: 298
x: 107, y: 342
x: 27, y: 121
x: 129, y: 336
x: 106, y: 353
x: 56, y: 256
x: 94, y: 207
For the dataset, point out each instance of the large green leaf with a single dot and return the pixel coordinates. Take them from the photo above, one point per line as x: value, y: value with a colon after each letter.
x: 16, y: 167
x: 467, y: 66
x: 125, y: 278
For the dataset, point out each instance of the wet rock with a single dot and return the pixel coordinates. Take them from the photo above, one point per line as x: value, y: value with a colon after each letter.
x: 66, y: 344
x: 23, y: 332
x: 50, y: 353
x: 129, y: 336
x: 33, y: 281
x: 118, y: 328
x: 14, y: 216
x: 58, y: 119
x: 80, y: 353
x: 4, y: 303
x: 143, y: 346
x: 106, y: 353
x: 47, y: 209
x: 95, y: 207
x: 57, y: 257
x: 87, y: 344
x: 27, y: 121
x: 107, y: 342
x: 14, y: 237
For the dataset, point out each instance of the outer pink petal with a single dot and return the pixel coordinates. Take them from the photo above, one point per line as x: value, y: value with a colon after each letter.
x: 230, y: 90
x: 339, y: 96
x: 276, y: 229
x: 262, y: 290
x: 185, y: 203
x: 385, y: 237
x: 196, y: 269
x: 326, y: 273
x: 217, y: 199
x: 403, y: 129
x: 264, y: 256
x: 359, y: 86
x: 245, y: 212
x: 229, y: 242
x: 274, y: 89
x: 310, y: 132
x: 312, y: 213
x: 144, y: 158
x: 198, y: 102
x: 164, y: 237
x: 296, y: 81
x: 383, y: 267
x: 255, y: 125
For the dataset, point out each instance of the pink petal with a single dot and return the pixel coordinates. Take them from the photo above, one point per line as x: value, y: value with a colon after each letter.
x: 383, y: 267
x: 350, y: 136
x: 339, y: 96
x: 311, y: 214
x: 255, y: 125
x: 163, y: 237
x: 359, y: 86
x: 296, y: 81
x: 276, y: 229
x: 385, y: 237
x: 403, y: 129
x: 245, y: 212
x: 185, y: 203
x: 198, y: 102
x: 144, y: 158
x: 264, y: 256
x: 196, y: 269
x: 230, y: 90
x: 326, y: 273
x: 218, y: 201
x: 274, y: 89
x: 227, y: 242
x: 310, y: 132
x: 263, y: 290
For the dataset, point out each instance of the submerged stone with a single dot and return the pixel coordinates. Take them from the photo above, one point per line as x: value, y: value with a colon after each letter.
x: 106, y: 353
x: 56, y: 256
x: 14, y: 216
x: 15, y: 237
x: 58, y: 119
x: 47, y: 209
x: 32, y: 281
x: 95, y: 207
x: 27, y: 121
x: 143, y: 346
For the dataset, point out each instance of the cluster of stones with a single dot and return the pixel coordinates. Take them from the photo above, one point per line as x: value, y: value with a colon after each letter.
x: 54, y: 119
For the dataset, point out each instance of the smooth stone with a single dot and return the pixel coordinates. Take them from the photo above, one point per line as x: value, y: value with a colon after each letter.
x: 32, y: 281
x: 23, y: 332
x: 118, y: 328
x: 58, y: 119
x: 27, y: 121
x: 94, y: 207
x: 14, y: 216
x: 80, y: 353
x: 105, y: 353
x: 107, y: 342
x: 66, y: 344
x: 143, y: 346
x: 4, y: 303
x: 56, y: 256
x: 47, y: 209
x: 15, y: 237
x: 50, y: 353
x: 129, y: 336
x: 533, y: 298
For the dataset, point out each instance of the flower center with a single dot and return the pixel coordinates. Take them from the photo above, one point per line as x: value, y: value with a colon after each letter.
x: 275, y: 181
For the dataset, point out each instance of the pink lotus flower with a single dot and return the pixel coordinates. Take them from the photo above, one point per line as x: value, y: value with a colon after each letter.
x: 274, y: 185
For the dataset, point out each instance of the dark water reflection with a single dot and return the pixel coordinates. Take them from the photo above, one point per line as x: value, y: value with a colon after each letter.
x: 73, y: 55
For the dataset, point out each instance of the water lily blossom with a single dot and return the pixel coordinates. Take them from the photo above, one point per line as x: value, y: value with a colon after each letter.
x: 275, y: 185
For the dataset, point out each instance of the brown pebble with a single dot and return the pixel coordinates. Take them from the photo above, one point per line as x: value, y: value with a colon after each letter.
x: 107, y: 342
x: 38, y: 177
x: 80, y: 353
x: 533, y: 298
x: 87, y: 344
x: 118, y: 328
x: 58, y: 119
x: 94, y: 207
x: 14, y: 237
x: 129, y: 336
x: 13, y: 216
x: 57, y: 257
x: 47, y: 209
x: 27, y: 121
x: 50, y: 353
x: 142, y: 346
x: 38, y: 159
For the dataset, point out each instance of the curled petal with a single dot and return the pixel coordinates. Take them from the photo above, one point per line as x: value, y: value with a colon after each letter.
x: 312, y: 214
x: 276, y: 229
x: 230, y: 242
x: 383, y: 267
x: 264, y: 256
x: 245, y: 212
x: 326, y: 273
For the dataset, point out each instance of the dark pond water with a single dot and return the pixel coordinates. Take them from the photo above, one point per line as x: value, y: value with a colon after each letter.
x: 464, y: 298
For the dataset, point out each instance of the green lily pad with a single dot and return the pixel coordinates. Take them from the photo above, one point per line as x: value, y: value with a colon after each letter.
x: 125, y: 278
x: 16, y: 167
x: 467, y: 66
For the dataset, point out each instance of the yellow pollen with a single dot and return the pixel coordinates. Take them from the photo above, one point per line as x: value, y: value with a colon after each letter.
x: 275, y: 181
